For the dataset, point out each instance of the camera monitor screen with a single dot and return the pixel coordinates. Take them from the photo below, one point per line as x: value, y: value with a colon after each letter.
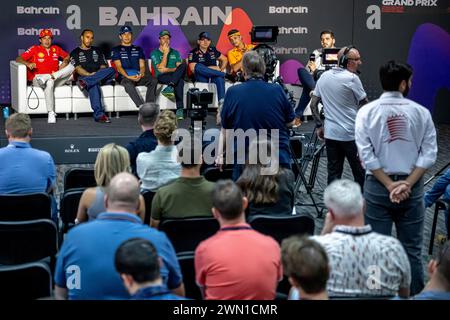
x: 330, y: 56
x: 265, y: 34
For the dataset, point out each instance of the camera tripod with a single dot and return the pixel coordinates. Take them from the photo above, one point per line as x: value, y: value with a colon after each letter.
x: 312, y: 154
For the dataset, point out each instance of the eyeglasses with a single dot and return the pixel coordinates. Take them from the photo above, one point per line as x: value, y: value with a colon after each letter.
x: 354, y: 59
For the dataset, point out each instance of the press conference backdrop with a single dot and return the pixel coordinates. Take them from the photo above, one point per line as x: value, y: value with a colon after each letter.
x: 415, y: 31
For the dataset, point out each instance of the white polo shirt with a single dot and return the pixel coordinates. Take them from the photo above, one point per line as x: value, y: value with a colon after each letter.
x: 340, y: 91
x: 395, y: 134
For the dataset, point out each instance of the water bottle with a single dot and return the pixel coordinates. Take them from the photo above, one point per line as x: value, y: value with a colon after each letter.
x: 5, y: 112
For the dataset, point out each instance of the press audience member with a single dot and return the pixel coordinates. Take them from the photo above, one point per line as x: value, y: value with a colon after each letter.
x: 160, y: 167
x: 187, y: 196
x: 362, y: 262
x: 305, y: 262
x: 85, y: 265
x: 237, y: 263
x: 146, y: 142
x: 270, y: 193
x: 138, y: 264
x: 111, y: 160
x: 438, y: 287
x: 25, y: 169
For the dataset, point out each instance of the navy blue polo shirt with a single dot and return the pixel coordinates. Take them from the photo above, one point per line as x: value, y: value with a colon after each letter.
x: 208, y: 58
x: 256, y: 104
x: 129, y: 56
x: 145, y: 143
x: 155, y: 293
x: 85, y: 264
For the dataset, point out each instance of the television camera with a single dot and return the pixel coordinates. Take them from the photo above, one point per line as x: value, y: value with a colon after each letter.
x: 197, y: 106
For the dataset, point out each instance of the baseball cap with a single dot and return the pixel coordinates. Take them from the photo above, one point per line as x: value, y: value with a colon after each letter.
x: 124, y: 29
x: 204, y: 35
x: 46, y: 32
x: 164, y: 33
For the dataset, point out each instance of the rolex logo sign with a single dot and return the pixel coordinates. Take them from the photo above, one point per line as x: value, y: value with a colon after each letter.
x: 72, y: 149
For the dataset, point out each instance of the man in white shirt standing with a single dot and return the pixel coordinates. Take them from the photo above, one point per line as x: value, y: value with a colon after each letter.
x: 342, y: 94
x: 396, y: 141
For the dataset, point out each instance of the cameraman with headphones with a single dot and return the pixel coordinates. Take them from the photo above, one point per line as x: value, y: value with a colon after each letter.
x: 342, y: 94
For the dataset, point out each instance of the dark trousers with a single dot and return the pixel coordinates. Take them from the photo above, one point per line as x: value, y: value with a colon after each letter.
x: 337, y: 151
x: 148, y: 81
x: 308, y: 84
x: 408, y: 217
x: 205, y: 74
x: 101, y: 77
x: 177, y: 78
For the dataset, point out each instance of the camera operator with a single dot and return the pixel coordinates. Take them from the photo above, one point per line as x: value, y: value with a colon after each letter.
x: 309, y: 75
x: 342, y: 95
x: 256, y: 104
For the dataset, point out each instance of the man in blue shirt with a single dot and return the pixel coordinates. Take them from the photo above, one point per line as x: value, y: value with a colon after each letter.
x: 130, y: 63
x: 438, y: 287
x: 137, y: 262
x: 146, y: 142
x: 85, y: 265
x: 257, y: 105
x: 203, y: 64
x: 24, y: 169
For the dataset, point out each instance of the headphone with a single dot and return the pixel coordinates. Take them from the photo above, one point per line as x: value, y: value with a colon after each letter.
x: 343, y: 61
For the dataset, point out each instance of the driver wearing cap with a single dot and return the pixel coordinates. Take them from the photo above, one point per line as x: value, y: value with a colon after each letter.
x: 203, y: 64
x: 42, y: 63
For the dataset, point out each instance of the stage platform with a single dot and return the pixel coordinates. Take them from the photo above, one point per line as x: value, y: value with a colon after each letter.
x: 78, y: 141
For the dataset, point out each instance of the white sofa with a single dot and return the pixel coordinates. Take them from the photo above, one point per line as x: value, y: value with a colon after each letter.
x: 70, y: 99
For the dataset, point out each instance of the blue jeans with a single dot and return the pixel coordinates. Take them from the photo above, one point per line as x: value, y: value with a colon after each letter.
x: 309, y: 84
x: 205, y: 74
x: 408, y: 217
x: 102, y: 76
x: 176, y: 78
x: 440, y: 188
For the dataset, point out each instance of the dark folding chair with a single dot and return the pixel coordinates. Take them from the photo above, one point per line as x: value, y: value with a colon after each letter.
x: 186, y: 234
x: 79, y: 178
x: 214, y: 174
x: 438, y: 206
x: 186, y: 261
x: 27, y: 241
x: 281, y: 227
x: 68, y: 207
x: 148, y: 199
x: 25, y: 281
x: 19, y: 207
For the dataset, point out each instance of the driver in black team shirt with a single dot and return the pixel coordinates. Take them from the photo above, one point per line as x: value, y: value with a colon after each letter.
x: 92, y: 69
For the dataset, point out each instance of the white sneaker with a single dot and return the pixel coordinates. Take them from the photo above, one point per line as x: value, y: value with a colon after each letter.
x: 51, y: 117
x: 42, y: 79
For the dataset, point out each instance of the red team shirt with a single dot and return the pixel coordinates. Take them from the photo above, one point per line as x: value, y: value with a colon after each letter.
x: 47, y: 61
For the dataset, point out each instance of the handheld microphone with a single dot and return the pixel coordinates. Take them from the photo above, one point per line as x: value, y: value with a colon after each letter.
x: 312, y: 57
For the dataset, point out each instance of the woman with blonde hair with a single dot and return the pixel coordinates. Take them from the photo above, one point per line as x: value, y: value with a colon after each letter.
x: 111, y: 160
x: 160, y: 166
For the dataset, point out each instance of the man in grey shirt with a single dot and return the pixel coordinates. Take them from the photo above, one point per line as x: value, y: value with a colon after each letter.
x: 342, y: 94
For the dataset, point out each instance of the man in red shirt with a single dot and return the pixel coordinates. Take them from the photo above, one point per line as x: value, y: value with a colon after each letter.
x: 43, y: 68
x: 237, y: 263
